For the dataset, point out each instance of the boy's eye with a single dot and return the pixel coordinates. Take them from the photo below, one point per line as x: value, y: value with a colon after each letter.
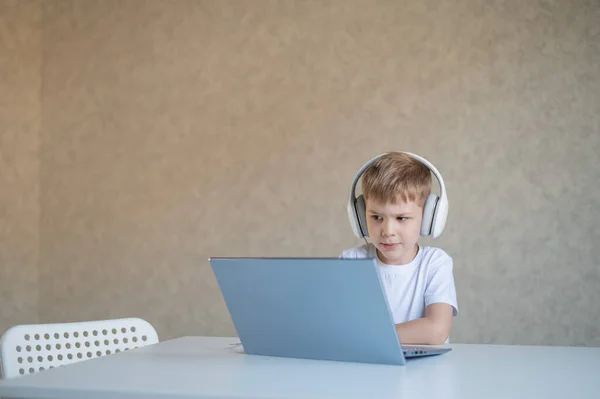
x: 402, y: 218
x: 375, y: 217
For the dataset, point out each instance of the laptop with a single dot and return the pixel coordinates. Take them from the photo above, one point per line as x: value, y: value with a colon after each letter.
x: 312, y: 308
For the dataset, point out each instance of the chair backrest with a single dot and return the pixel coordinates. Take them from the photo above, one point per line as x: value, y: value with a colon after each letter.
x: 30, y: 348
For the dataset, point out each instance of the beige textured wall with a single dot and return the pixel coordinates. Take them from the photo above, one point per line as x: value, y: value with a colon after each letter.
x: 20, y: 83
x: 177, y: 130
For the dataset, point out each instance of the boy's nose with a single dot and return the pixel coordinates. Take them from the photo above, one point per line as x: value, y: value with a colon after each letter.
x: 387, y: 229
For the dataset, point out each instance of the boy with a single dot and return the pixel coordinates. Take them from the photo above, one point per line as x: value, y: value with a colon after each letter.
x: 417, y: 280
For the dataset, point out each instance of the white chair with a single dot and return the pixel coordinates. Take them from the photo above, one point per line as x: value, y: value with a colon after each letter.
x: 30, y: 348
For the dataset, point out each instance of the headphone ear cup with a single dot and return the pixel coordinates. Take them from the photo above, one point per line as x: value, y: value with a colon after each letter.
x: 428, y: 213
x: 361, y: 211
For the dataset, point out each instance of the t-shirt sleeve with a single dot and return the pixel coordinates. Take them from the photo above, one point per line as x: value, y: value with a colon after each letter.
x: 440, y: 284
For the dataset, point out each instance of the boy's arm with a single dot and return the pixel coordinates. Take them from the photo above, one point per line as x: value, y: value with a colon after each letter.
x: 433, y: 329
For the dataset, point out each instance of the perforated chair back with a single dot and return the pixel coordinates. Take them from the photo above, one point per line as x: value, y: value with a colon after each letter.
x: 30, y: 348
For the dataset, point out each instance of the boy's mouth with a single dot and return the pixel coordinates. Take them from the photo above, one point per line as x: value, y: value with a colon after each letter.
x: 389, y: 245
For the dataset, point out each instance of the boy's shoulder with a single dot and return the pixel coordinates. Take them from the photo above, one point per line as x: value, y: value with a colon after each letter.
x: 360, y: 252
x: 435, y: 256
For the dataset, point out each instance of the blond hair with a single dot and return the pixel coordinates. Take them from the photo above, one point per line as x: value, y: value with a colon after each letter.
x: 397, y: 176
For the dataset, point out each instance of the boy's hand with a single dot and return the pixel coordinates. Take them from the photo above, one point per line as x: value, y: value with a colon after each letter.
x: 433, y: 329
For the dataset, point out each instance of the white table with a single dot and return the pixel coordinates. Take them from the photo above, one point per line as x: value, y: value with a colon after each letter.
x: 203, y: 367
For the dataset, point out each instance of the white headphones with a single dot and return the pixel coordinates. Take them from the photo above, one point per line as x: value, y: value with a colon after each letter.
x: 435, y: 210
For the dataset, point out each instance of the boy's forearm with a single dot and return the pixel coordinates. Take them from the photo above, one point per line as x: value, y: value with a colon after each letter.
x: 421, y: 331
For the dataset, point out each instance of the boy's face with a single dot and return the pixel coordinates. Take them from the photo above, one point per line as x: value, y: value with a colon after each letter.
x: 394, y: 230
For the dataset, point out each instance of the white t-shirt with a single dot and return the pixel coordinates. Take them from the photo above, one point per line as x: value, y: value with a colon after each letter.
x: 412, y: 287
